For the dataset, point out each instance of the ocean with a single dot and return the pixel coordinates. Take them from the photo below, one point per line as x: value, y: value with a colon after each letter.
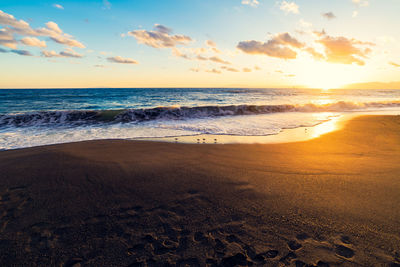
x: 33, y: 117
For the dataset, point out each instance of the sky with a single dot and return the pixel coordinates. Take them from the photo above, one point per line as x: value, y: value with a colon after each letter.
x: 200, y: 43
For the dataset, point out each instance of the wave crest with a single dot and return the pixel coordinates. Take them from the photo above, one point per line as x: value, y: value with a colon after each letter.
x: 82, y: 117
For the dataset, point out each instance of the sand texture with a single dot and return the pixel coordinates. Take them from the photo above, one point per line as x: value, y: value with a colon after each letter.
x: 330, y: 201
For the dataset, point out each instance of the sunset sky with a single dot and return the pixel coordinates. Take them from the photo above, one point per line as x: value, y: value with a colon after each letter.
x: 199, y: 43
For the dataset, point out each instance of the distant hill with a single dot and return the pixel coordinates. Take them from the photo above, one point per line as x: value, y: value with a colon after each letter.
x: 374, y: 85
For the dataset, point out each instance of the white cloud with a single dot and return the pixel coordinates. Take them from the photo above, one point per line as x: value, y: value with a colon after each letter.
x: 229, y: 69
x: 33, y: 41
x: 7, y: 39
x: 65, y: 40
x: 279, y: 46
x: 305, y: 24
x: 9, y: 20
x: 211, y: 43
x: 119, y: 59
x: 219, y: 60
x: 12, y: 27
x: 247, y: 70
x: 68, y: 52
x: 289, y: 7
x: 52, y: 53
x: 329, y: 15
x: 159, y: 37
x: 361, y: 3
x: 21, y: 52
x: 162, y: 28
x: 215, y: 71
x: 213, y: 46
x: 253, y: 3
x: 106, y: 4
x: 16, y: 51
x: 54, y: 27
x: 58, y: 6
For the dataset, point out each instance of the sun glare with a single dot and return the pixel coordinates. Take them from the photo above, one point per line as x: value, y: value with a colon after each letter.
x: 322, y: 75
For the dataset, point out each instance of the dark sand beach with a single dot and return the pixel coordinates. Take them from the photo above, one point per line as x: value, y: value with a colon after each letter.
x: 334, y: 200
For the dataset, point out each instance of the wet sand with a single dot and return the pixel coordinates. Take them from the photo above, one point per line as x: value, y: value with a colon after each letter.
x: 334, y: 200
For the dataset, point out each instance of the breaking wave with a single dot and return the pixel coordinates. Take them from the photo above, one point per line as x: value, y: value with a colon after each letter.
x: 83, y: 117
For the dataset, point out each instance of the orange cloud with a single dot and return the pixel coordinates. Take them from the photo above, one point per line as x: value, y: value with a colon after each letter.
x: 343, y: 50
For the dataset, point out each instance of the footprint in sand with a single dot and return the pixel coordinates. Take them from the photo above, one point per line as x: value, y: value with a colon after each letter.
x: 183, y: 243
x: 199, y: 237
x: 219, y: 247
x: 211, y: 262
x: 302, y: 236
x: 42, y: 237
x: 188, y: 262
x: 344, y: 251
x: 12, y: 203
x: 193, y: 192
x: 137, y: 264
x: 262, y: 258
x: 303, y: 264
x: 294, y: 245
x: 271, y: 254
x: 238, y: 259
x: 250, y: 251
x: 138, y: 248
x: 288, y: 258
x: 345, y: 239
x: 233, y: 239
x: 74, y: 262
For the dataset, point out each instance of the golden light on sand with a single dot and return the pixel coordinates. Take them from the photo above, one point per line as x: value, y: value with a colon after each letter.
x: 324, y: 128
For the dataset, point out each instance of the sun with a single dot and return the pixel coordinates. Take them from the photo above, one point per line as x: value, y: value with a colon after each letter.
x: 325, y: 76
x: 325, y: 84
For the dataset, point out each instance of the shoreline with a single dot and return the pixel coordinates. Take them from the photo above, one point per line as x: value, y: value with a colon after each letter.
x: 288, y: 135
x: 330, y: 200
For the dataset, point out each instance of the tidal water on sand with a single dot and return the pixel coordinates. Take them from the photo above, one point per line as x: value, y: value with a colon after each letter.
x: 32, y: 117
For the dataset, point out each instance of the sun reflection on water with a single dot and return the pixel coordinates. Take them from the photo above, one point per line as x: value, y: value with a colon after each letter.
x: 324, y: 128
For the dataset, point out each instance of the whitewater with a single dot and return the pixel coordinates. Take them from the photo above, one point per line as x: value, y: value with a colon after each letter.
x: 33, y: 117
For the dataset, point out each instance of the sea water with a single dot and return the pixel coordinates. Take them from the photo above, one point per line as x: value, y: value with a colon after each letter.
x: 32, y: 117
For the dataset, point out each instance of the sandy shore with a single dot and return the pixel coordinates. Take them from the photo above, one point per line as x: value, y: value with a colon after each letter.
x: 332, y: 201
